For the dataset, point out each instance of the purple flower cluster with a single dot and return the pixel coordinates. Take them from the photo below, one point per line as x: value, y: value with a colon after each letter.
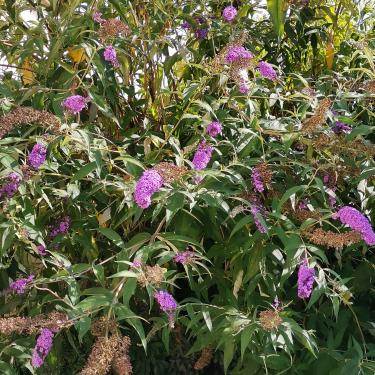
x: 244, y: 88
x: 19, y: 286
x: 42, y: 250
x: 37, y: 156
x: 237, y: 53
x: 61, y: 227
x: 214, y: 128
x: 111, y: 56
x: 97, y: 17
x: 305, y: 280
x: 166, y: 301
x: 255, y: 211
x: 267, y: 71
x: 186, y: 25
x: 11, y: 187
x: 43, y: 346
x: 229, y: 13
x: 340, y: 128
x: 184, y: 257
x: 357, y: 221
x: 150, y: 182
x: 257, y: 180
x: 201, y: 33
x: 75, y: 103
x: 202, y: 156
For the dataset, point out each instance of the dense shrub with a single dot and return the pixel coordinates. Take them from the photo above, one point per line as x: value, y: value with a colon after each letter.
x: 187, y: 187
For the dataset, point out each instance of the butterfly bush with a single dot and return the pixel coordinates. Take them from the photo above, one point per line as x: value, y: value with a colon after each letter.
x: 240, y: 134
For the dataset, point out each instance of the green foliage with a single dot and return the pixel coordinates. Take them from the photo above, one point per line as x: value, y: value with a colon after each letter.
x: 153, y: 108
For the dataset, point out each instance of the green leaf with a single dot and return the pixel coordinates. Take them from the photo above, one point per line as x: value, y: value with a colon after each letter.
x: 83, y: 326
x: 123, y: 274
x: 113, y: 236
x: 246, y: 335
x: 93, y: 302
x: 276, y: 9
x: 228, y: 353
x: 84, y: 171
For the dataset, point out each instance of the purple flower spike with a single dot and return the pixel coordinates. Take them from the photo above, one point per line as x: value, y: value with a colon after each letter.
x: 37, y: 156
x: 202, y: 156
x: 229, y: 13
x: 305, y: 280
x: 258, y: 210
x: 357, y: 221
x: 214, y: 129
x: 19, y: 286
x: 184, y: 257
x: 340, y: 128
x: 43, y: 346
x: 111, y: 56
x: 60, y: 228
x: 257, y: 180
x: 237, y: 53
x: 42, y: 250
x: 201, y: 34
x: 150, y: 182
x: 244, y: 88
x: 75, y: 103
x: 267, y: 71
x: 97, y: 17
x: 166, y: 301
x: 11, y: 187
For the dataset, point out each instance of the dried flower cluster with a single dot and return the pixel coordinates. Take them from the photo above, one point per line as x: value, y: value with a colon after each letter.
x: 100, y: 326
x: 28, y: 325
x: 318, y: 118
x: 151, y: 275
x: 121, y: 364
x: 339, y: 145
x: 331, y: 239
x: 28, y: 115
x: 270, y: 319
x: 101, y: 356
x: 204, y: 360
x: 170, y: 172
x: 112, y: 27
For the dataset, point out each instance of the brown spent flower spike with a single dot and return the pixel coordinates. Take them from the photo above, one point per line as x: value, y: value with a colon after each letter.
x: 331, y: 239
x: 204, y: 360
x: 121, y: 364
x: 318, y: 118
x: 27, y: 115
x: 151, y: 275
x: 265, y: 173
x: 112, y: 27
x: 170, y: 172
x: 100, y: 327
x: 101, y: 356
x: 337, y: 144
x: 270, y: 319
x: 53, y: 321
